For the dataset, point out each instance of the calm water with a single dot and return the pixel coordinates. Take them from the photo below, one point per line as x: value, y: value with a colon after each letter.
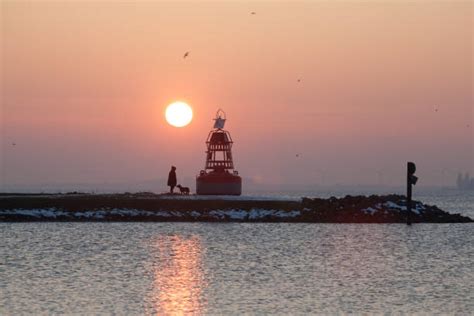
x: 202, y: 268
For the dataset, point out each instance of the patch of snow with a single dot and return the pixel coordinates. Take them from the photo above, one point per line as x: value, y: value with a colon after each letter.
x: 236, y: 214
x: 217, y: 213
x: 287, y: 214
x: 161, y: 213
x: 32, y: 213
x: 395, y: 206
x: 252, y: 214
x: 38, y: 213
x: 86, y: 214
x: 97, y: 214
x: 369, y: 210
x: 260, y: 213
x: 417, y: 209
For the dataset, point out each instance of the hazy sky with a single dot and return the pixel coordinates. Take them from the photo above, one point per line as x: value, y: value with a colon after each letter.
x: 84, y: 86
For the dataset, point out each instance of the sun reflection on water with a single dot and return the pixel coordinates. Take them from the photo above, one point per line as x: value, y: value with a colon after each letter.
x: 178, y: 278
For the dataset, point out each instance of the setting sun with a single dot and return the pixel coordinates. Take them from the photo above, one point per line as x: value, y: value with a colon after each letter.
x: 179, y: 114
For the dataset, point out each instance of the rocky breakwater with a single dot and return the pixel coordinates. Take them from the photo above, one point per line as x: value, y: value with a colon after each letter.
x: 159, y: 208
x: 376, y: 209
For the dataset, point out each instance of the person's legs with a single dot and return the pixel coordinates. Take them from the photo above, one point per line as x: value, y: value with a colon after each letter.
x: 171, y: 188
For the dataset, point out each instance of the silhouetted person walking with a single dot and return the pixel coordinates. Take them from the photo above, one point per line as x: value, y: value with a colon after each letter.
x: 172, y: 178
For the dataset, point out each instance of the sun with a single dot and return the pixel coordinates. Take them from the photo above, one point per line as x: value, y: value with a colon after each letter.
x: 179, y: 114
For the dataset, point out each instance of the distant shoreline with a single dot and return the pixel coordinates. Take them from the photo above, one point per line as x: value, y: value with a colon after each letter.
x: 165, y: 208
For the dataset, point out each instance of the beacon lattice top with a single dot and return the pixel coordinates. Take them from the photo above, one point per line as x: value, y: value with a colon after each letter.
x: 219, y: 176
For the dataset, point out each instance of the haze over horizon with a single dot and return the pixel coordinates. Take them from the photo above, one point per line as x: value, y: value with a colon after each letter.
x: 356, y: 89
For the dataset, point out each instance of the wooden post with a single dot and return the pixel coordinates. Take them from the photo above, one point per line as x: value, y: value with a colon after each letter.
x: 411, y: 180
x: 409, y: 191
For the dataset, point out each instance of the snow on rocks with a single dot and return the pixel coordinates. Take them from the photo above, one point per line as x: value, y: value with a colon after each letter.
x: 37, y: 213
x: 349, y: 209
x: 375, y: 209
x: 116, y: 214
x: 394, y: 206
x: 369, y: 210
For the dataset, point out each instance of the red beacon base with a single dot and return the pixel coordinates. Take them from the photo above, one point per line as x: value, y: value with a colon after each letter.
x: 219, y: 176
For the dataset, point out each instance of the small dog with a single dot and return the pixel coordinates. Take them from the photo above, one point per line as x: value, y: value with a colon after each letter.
x: 184, y: 190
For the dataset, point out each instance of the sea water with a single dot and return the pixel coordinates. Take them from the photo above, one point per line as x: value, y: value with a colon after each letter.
x: 233, y: 268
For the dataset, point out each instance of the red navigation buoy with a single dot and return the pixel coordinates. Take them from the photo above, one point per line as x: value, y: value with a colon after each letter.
x: 219, y: 176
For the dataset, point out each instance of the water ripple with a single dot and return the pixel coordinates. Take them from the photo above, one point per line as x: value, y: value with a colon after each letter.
x: 205, y: 268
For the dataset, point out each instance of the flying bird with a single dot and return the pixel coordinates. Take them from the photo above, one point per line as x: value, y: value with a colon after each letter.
x: 13, y: 144
x: 253, y: 13
x: 298, y: 155
x: 299, y: 80
x: 186, y: 54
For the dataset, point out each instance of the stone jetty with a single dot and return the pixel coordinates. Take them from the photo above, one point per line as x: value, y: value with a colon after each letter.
x: 166, y: 208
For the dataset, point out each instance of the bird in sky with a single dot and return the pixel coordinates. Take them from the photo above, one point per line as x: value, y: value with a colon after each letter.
x: 299, y: 80
x: 298, y: 155
x: 253, y: 13
x: 186, y: 54
x: 13, y: 144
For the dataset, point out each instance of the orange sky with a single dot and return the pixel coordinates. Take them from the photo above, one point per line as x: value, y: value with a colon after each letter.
x: 84, y: 85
